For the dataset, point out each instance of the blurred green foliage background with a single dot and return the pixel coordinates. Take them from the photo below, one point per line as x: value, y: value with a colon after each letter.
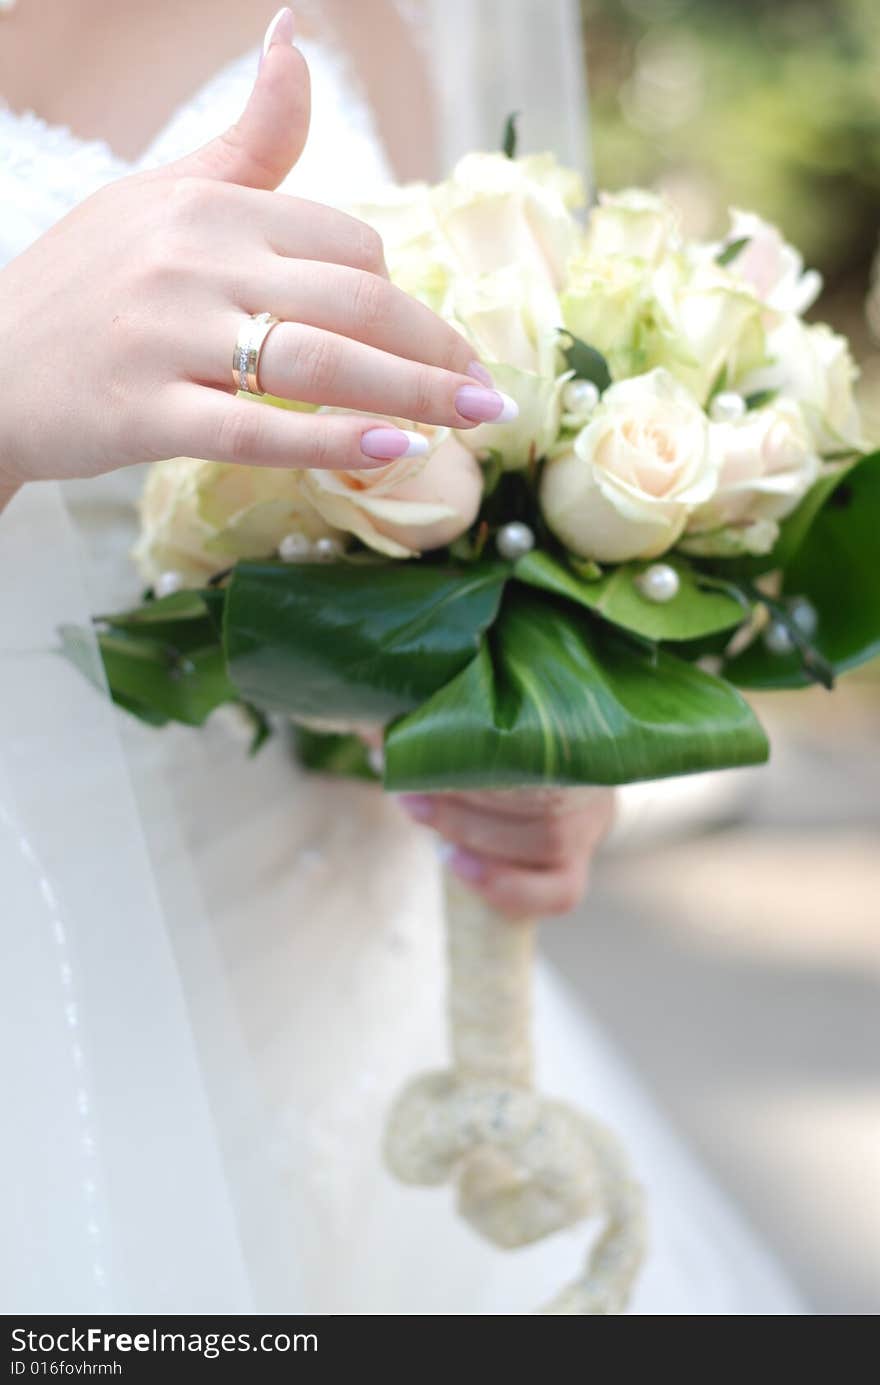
x: 770, y: 106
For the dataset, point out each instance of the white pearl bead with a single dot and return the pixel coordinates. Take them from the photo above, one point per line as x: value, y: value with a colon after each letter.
x: 326, y: 550
x: 294, y: 548
x: 514, y: 540
x: 778, y: 639
x: 804, y: 615
x: 727, y: 407
x: 167, y: 583
x: 580, y: 397
x: 659, y: 582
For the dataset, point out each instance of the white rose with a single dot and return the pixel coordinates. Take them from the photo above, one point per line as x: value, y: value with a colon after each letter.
x: 814, y: 366
x: 495, y: 211
x: 418, y: 258
x: 768, y: 463
x: 708, y: 323
x: 604, y: 303
x: 512, y: 317
x: 632, y: 223
x: 407, y: 507
x: 536, y: 428
x: 198, y: 517
x: 772, y: 267
x: 634, y: 474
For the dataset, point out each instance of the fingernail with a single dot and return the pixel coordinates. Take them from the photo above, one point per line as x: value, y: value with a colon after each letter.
x: 387, y: 444
x: 280, y: 30
x: 466, y: 866
x: 485, y: 406
x: 419, y: 806
x: 479, y: 372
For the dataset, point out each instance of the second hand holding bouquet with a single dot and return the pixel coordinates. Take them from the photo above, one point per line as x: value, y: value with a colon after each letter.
x: 682, y: 508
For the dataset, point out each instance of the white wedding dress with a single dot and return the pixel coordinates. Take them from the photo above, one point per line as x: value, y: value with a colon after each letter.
x: 217, y: 972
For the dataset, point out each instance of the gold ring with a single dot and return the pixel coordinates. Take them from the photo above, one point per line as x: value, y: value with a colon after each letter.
x: 248, y: 348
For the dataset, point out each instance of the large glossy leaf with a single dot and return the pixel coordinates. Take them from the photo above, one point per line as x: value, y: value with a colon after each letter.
x: 153, y: 678
x: 187, y: 620
x: 836, y: 567
x: 352, y: 642
x: 693, y: 613
x: 554, y: 697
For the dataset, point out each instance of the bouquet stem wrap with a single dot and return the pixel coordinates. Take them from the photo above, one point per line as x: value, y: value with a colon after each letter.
x: 525, y: 1166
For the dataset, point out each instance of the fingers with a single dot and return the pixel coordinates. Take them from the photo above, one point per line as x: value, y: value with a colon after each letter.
x: 363, y: 306
x: 297, y: 229
x: 260, y: 149
x: 527, y: 853
x: 547, y: 841
x: 521, y: 892
x: 202, y: 422
x: 316, y: 367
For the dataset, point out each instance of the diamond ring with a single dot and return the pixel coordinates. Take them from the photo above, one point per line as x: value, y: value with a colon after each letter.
x: 248, y: 348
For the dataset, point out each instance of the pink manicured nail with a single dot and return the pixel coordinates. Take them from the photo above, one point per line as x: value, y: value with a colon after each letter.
x: 466, y: 866
x: 419, y: 806
x: 280, y: 30
x: 479, y: 372
x: 485, y: 406
x: 387, y: 444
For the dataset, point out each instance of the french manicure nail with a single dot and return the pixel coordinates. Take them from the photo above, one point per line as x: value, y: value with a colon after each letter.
x: 280, y: 30
x: 480, y: 405
x: 419, y: 806
x: 466, y: 866
x: 479, y: 372
x: 388, y: 444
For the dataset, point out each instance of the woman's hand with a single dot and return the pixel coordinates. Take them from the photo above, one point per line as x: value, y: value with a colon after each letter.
x: 527, y: 852
x: 120, y: 323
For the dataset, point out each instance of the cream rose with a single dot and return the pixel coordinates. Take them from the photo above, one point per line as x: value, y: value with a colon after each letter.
x: 512, y: 316
x: 634, y: 474
x: 491, y: 212
x: 198, y: 517
x: 813, y: 365
x: 769, y: 265
x: 407, y: 507
x: 496, y: 211
x: 768, y: 463
x: 709, y: 323
x: 604, y: 303
x: 634, y: 224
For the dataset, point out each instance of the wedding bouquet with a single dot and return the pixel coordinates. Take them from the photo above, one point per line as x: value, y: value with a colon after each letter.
x: 685, y: 508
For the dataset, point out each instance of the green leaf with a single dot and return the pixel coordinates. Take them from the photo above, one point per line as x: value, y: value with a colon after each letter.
x: 835, y: 566
x: 760, y: 398
x: 693, y: 613
x: 261, y: 727
x: 586, y: 362
x: 139, y: 710
x: 162, y: 681
x: 510, y: 137
x: 162, y: 661
x: 326, y: 753
x: 181, y: 606
x: 557, y: 698
x: 731, y: 251
x: 719, y: 384
x: 354, y: 643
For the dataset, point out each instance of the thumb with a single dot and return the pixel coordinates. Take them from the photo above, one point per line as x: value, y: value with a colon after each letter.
x: 260, y: 149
